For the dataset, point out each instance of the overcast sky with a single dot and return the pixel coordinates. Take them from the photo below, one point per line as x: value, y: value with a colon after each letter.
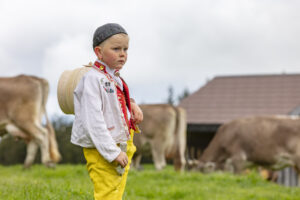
x: 172, y: 43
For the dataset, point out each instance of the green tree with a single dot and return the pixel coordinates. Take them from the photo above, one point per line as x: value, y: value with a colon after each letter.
x: 170, y: 99
x: 184, y: 94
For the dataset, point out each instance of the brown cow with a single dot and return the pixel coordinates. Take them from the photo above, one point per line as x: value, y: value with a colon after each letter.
x: 22, y: 105
x: 164, y: 127
x: 268, y: 141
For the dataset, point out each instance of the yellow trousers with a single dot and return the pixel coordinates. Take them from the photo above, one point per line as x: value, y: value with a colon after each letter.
x: 108, y: 184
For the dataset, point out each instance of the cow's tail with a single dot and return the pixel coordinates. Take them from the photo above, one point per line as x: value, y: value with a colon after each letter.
x: 53, y: 147
x: 180, y: 138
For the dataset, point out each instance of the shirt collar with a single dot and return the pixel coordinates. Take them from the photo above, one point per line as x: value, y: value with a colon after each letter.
x: 111, y: 72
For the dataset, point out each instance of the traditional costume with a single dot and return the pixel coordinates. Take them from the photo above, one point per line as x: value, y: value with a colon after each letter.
x: 102, y: 122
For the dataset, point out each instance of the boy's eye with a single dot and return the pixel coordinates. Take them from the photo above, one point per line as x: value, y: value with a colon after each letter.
x: 119, y: 49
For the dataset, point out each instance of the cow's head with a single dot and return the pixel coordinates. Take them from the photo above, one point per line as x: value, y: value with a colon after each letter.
x: 206, y: 167
x: 192, y: 164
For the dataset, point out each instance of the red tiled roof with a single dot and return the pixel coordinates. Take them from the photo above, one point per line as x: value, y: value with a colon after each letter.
x: 228, y: 97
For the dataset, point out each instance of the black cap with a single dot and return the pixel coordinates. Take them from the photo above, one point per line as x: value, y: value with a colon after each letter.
x: 104, y: 32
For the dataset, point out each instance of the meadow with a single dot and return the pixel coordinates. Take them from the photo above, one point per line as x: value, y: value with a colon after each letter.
x: 71, y: 182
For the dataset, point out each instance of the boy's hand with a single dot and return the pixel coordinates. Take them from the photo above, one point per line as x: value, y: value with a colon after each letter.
x: 137, y: 114
x: 122, y: 159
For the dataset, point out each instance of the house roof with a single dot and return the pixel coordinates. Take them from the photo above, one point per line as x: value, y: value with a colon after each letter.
x: 228, y: 97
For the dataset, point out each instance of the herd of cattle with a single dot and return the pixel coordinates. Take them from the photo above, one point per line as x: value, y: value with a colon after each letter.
x: 270, y: 141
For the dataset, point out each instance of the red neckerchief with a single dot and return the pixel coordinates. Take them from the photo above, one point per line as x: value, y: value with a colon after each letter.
x: 125, y: 93
x: 127, y: 99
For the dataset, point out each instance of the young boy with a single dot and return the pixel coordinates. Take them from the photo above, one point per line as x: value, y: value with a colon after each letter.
x: 105, y: 116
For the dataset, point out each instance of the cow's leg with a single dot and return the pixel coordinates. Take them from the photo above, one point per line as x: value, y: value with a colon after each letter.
x: 32, y: 147
x: 239, y: 162
x: 179, y: 156
x: 137, y: 161
x: 297, y: 168
x: 296, y: 160
x: 228, y: 166
x: 182, y: 159
x: 158, y: 154
x: 139, y: 142
x: 40, y: 135
x: 179, y: 161
x: 16, y: 132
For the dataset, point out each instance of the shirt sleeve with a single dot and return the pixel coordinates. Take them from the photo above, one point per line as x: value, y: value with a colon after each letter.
x: 93, y: 119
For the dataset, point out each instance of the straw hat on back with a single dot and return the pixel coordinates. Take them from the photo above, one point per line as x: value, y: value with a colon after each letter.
x: 66, y: 86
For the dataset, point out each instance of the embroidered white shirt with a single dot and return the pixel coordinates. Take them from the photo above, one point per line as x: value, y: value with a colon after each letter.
x: 98, y: 119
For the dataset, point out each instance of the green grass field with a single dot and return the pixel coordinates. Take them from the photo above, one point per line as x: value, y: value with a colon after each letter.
x: 71, y: 182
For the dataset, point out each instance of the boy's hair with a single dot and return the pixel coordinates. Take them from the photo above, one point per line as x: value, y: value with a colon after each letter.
x: 104, y: 32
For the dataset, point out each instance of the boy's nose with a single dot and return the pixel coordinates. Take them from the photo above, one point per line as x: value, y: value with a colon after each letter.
x: 122, y: 53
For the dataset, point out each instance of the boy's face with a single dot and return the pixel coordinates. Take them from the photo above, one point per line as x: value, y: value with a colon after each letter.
x: 113, y: 51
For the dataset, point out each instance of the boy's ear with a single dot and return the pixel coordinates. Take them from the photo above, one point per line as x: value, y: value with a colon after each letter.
x: 98, y: 52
